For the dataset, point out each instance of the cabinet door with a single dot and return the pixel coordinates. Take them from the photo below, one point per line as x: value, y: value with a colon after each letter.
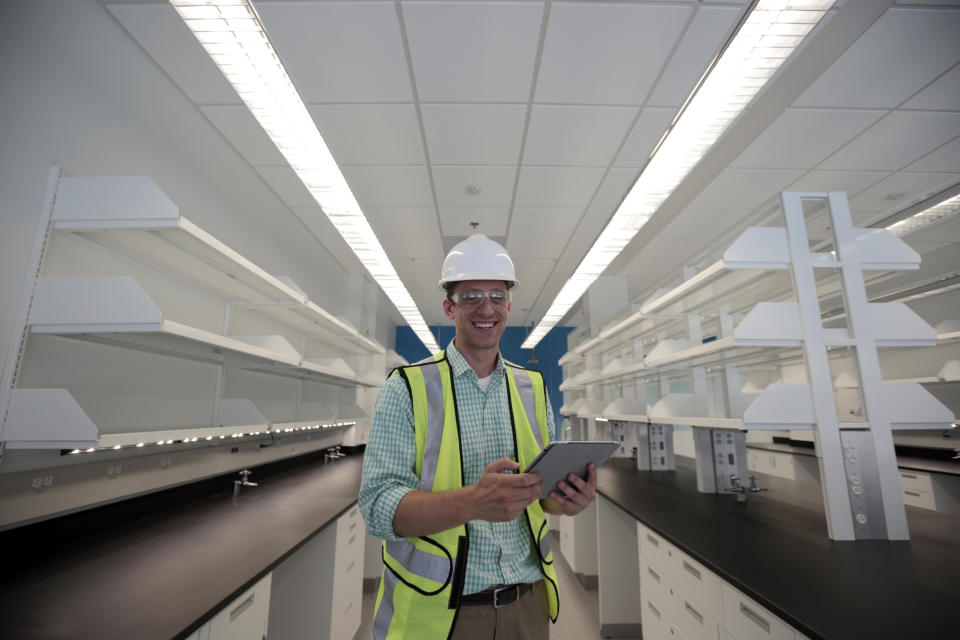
x: 348, y: 576
x: 246, y: 617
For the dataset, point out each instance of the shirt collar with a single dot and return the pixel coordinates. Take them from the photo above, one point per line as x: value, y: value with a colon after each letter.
x: 461, y: 367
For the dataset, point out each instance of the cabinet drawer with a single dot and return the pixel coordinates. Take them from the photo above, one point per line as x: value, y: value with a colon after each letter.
x: 744, y: 619
x: 658, y: 552
x: 350, y: 528
x: 916, y: 481
x: 922, y: 499
x: 656, y: 585
x: 657, y: 624
x: 699, y: 583
x: 693, y: 619
x: 246, y: 617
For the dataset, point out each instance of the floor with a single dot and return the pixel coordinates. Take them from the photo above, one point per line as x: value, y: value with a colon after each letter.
x: 579, y: 607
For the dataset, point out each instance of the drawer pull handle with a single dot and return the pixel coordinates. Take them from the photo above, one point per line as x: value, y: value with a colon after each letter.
x: 757, y: 620
x: 691, y: 570
x: 352, y: 538
x: 653, y: 540
x: 654, y: 609
x: 353, y: 526
x: 243, y: 606
x: 350, y: 568
x: 908, y: 475
x: 696, y: 614
x: 912, y: 493
x: 653, y: 574
x: 347, y: 608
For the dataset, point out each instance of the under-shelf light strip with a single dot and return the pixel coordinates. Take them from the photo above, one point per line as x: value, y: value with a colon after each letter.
x: 766, y: 38
x: 235, y: 39
x: 188, y: 440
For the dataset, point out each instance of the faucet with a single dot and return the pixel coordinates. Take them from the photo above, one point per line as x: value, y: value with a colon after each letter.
x: 244, y: 482
x: 743, y: 492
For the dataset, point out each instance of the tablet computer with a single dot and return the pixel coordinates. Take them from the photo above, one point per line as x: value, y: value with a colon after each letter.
x: 560, y: 459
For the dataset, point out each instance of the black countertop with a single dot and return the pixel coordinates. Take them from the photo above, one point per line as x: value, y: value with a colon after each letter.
x: 916, y: 463
x: 780, y: 556
x: 164, y: 575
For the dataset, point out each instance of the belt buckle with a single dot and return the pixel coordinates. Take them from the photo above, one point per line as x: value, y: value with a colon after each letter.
x: 496, y: 595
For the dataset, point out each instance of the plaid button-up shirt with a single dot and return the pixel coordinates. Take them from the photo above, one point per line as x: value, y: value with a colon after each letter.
x: 500, y: 552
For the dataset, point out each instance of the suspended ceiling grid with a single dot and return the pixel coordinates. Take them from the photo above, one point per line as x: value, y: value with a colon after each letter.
x: 550, y: 109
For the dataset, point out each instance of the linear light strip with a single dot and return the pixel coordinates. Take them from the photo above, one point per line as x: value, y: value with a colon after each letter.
x: 923, y: 219
x: 232, y: 34
x: 766, y: 38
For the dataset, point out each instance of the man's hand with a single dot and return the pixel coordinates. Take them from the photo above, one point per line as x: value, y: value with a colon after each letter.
x: 573, y: 496
x: 501, y: 497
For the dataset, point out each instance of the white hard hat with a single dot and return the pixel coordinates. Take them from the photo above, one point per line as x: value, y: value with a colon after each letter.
x: 478, y: 258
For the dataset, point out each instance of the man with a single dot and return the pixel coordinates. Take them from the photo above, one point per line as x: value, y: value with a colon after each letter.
x: 466, y: 553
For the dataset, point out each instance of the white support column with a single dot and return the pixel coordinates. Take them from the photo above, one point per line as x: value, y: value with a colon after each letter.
x: 871, y: 383
x: 829, y: 452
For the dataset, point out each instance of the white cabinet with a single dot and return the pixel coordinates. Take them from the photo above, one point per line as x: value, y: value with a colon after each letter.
x: 317, y: 591
x: 578, y: 541
x: 935, y: 491
x: 744, y: 619
x: 246, y: 617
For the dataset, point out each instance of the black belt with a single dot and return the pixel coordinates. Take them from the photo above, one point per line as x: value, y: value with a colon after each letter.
x: 498, y: 596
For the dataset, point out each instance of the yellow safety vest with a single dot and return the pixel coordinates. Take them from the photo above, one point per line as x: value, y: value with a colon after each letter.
x: 422, y: 582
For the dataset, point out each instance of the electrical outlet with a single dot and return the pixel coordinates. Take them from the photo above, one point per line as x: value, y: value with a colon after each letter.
x: 47, y: 481
x: 37, y: 483
x: 165, y: 463
x: 114, y: 470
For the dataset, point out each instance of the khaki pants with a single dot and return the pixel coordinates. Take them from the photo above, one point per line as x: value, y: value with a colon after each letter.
x: 524, y: 619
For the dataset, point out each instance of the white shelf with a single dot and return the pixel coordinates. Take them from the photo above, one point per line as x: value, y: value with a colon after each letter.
x: 573, y: 408
x: 628, y: 409
x: 133, y: 216
x: 591, y: 409
x: 569, y: 358
x: 115, y: 310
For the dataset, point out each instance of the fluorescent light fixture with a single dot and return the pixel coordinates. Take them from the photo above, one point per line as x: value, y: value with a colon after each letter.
x: 767, y: 37
x: 923, y: 219
x: 233, y: 36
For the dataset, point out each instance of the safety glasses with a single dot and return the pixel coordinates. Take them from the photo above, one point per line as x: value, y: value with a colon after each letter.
x: 474, y: 297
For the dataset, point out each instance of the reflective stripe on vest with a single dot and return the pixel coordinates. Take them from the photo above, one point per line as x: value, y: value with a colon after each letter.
x: 421, y: 574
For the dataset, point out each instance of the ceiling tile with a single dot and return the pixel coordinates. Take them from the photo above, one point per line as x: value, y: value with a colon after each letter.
x: 473, y: 51
x: 743, y: 188
x: 529, y: 269
x: 903, y: 51
x: 379, y: 186
x: 702, y: 224
x: 576, y: 136
x: 403, y: 221
x: 556, y: 186
x: 897, y: 140
x: 455, y: 221
x: 370, y: 133
x: 614, y: 188
x: 164, y: 35
x: 242, y: 130
x: 606, y: 53
x: 495, y: 183
x: 852, y: 182
x: 358, y: 43
x: 912, y: 187
x: 317, y: 221
x: 709, y: 29
x: 473, y: 133
x: 801, y: 138
x: 547, y: 221
x: 948, y: 231
x: 943, y: 93
x: 946, y: 158
x: 287, y: 185
x: 536, y: 246
x: 412, y: 246
x: 644, y: 136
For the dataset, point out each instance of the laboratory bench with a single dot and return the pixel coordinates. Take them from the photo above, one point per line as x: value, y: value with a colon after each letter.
x: 942, y: 464
x: 710, y: 566
x: 183, y: 565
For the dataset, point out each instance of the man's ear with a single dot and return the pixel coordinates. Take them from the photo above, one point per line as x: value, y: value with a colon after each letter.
x: 448, y: 307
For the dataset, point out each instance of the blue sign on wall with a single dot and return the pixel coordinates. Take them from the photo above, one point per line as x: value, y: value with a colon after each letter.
x: 548, y: 352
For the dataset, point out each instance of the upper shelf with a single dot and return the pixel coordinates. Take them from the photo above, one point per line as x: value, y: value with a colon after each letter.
x: 133, y: 216
x: 115, y: 310
x: 743, y: 274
